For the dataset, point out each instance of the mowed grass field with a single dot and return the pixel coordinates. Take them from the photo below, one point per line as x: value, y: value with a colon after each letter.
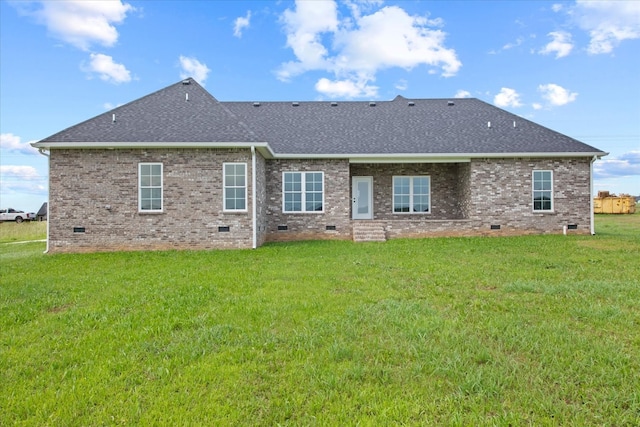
x: 537, y: 330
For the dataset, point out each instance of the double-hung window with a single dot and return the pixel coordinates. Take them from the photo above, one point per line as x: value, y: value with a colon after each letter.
x: 542, y: 191
x: 411, y: 194
x: 150, y: 187
x: 303, y: 192
x: 235, y: 186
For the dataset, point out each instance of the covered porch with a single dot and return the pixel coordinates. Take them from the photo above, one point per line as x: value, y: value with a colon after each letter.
x: 390, y: 200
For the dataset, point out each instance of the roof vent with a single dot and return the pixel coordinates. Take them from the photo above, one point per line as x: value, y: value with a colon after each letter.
x: 411, y: 103
x: 450, y: 103
x: 488, y: 124
x: 372, y: 104
x: 334, y: 104
x: 295, y: 104
x: 113, y: 118
x: 256, y: 104
x: 186, y: 82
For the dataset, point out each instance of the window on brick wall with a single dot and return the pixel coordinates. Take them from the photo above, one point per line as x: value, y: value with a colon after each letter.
x: 302, y: 192
x: 411, y: 194
x: 235, y: 186
x: 150, y: 187
x: 542, y: 191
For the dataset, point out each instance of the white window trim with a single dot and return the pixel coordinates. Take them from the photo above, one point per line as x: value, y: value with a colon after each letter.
x: 533, y: 190
x: 303, y: 191
x: 393, y: 194
x: 224, y: 188
x: 146, y: 211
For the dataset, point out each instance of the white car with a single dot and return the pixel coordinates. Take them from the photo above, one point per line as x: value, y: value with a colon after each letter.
x: 15, y: 215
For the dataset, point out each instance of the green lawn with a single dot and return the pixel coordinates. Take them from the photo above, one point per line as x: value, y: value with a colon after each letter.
x: 537, y: 330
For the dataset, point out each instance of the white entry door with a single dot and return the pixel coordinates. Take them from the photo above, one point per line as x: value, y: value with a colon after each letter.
x: 362, y: 197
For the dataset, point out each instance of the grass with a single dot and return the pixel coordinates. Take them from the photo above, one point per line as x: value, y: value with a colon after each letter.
x: 536, y: 330
x: 14, y: 232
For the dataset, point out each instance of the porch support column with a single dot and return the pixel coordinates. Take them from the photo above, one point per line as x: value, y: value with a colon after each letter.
x: 254, y: 209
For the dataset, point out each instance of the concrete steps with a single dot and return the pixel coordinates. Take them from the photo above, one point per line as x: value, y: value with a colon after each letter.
x: 369, y: 231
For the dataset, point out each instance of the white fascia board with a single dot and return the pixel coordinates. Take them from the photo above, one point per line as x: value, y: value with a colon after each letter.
x: 436, y: 157
x: 262, y: 147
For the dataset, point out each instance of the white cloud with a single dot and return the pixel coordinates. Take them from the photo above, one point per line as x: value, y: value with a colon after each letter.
x: 517, y: 43
x: 556, y: 95
x: 507, y: 98
x: 191, y: 67
x: 22, y: 179
x: 241, y: 23
x: 560, y: 44
x: 536, y: 106
x: 357, y: 47
x: 346, y: 88
x: 304, y: 28
x: 608, y: 23
x: 13, y: 143
x: 625, y: 165
x: 23, y: 172
x: 80, y: 23
x: 402, y: 84
x: 557, y: 7
x: 106, y: 69
x: 462, y: 94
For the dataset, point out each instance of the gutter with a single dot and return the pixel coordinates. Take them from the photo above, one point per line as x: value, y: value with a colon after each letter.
x: 42, y: 151
x: 267, y: 152
x: 593, y: 225
x: 263, y: 147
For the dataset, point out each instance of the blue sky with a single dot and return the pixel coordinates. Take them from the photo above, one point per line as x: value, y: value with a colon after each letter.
x: 571, y: 66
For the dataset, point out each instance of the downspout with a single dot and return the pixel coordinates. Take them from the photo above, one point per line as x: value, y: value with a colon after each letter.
x: 593, y: 225
x: 43, y: 152
x: 254, y: 209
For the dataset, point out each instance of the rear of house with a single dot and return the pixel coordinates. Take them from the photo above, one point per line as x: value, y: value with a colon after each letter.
x: 180, y: 169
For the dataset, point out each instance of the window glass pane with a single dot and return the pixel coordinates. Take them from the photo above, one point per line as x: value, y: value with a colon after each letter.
x: 420, y: 203
x: 313, y: 202
x: 156, y: 170
x: 401, y: 185
x: 401, y: 203
x: 145, y: 180
x: 421, y: 185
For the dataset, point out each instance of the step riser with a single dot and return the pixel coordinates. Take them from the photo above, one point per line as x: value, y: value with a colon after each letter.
x: 369, y: 232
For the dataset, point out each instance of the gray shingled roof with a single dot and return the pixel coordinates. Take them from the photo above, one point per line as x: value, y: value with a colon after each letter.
x: 163, y: 116
x: 401, y: 126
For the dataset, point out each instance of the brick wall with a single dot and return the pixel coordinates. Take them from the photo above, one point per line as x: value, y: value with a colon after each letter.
x: 466, y: 199
x: 501, y: 194
x: 304, y: 226
x: 84, y: 182
x: 261, y: 199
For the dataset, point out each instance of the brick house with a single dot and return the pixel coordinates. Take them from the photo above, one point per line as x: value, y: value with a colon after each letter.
x: 180, y: 169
